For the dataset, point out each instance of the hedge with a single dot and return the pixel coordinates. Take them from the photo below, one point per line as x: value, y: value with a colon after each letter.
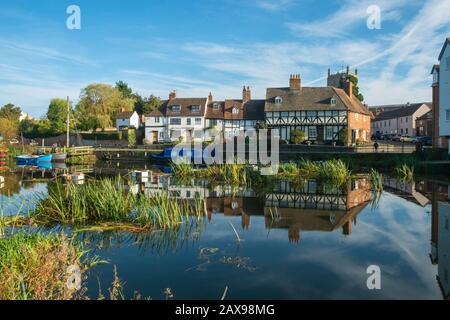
x: 102, y: 136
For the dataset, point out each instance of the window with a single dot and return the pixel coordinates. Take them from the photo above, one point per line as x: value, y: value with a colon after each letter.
x: 188, y: 121
x: 175, y: 121
x: 216, y: 106
x: 161, y: 135
x: 448, y: 63
x: 278, y: 100
x: 356, y: 116
x: 157, y: 120
x: 213, y: 122
x: 176, y: 108
x: 447, y: 115
x: 312, y: 132
x: 196, y: 109
x: 407, y: 131
x: 406, y: 119
x: 198, y: 121
x: 235, y: 110
x: 333, y: 101
x: 329, y: 133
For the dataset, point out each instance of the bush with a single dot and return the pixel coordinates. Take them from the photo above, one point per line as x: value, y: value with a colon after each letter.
x: 298, y: 136
x: 131, y: 137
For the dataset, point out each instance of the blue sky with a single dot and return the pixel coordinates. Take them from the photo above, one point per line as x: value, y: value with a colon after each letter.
x: 199, y: 46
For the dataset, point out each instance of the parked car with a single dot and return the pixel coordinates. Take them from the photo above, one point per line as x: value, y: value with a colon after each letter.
x: 386, y: 136
x: 406, y: 139
x: 425, y: 140
x: 396, y: 137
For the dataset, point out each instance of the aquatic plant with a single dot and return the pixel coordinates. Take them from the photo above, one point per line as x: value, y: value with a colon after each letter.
x: 376, y: 179
x: 105, y: 205
x: 309, y: 169
x: 404, y: 172
x: 335, y: 170
x: 288, y: 169
x: 183, y: 170
x: 34, y: 267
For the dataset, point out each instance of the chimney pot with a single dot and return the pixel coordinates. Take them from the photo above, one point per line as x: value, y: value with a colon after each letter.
x: 246, y: 94
x: 295, y: 82
x: 173, y: 95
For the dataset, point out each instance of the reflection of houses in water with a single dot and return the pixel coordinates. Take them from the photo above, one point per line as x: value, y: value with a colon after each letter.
x: 314, y: 207
x: 409, y: 191
x: 440, y: 237
x: 307, y: 207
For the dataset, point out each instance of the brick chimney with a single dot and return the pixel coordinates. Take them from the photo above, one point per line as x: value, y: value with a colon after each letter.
x: 122, y: 109
x: 173, y: 95
x: 295, y: 82
x: 349, y: 88
x: 246, y: 94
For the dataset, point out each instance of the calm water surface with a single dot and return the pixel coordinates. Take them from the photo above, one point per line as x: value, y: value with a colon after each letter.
x: 296, y: 242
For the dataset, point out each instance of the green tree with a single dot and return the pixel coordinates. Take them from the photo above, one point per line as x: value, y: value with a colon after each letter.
x: 57, y: 115
x: 298, y: 136
x: 124, y: 89
x: 8, y: 128
x: 11, y: 112
x: 354, y: 81
x: 98, y: 106
x: 151, y: 104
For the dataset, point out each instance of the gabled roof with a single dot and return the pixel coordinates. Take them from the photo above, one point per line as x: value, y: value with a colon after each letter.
x: 251, y: 110
x: 186, y: 105
x: 313, y: 99
x: 407, y: 110
x: 125, y: 115
x: 435, y: 67
x: 447, y: 41
x: 212, y: 113
x: 426, y: 116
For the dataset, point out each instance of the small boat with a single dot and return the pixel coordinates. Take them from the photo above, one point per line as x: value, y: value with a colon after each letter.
x: 33, y: 160
x: 59, y: 157
x: 169, y: 154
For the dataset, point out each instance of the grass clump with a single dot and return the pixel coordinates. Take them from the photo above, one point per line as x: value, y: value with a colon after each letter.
x: 34, y: 267
x: 405, y: 172
x: 335, y: 170
x: 376, y: 180
x: 105, y: 205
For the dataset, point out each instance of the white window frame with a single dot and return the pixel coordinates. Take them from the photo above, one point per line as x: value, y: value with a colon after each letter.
x: 196, y: 109
x: 176, y: 108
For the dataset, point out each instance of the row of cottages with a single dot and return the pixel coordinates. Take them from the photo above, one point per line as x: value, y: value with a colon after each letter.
x: 321, y: 112
x: 197, y: 118
x: 401, y: 119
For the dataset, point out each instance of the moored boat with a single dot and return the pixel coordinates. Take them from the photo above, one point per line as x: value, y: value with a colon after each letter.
x: 59, y: 157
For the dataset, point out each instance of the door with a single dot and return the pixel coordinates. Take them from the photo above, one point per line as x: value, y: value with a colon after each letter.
x: 155, y: 136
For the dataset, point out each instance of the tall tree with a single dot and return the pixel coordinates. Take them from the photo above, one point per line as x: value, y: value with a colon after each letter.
x: 57, y: 115
x: 10, y: 112
x: 98, y: 106
x: 151, y: 104
x: 124, y: 89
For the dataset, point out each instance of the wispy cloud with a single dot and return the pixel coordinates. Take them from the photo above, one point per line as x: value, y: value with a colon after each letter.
x: 274, y: 5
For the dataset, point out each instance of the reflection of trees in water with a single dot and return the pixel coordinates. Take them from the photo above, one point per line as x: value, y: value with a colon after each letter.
x: 12, y: 185
x: 158, y: 242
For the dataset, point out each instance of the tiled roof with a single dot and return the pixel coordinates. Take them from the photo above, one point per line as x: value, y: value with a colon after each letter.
x: 312, y: 99
x: 186, y: 105
x: 251, y: 110
x: 212, y: 113
x: 125, y: 115
x: 407, y: 110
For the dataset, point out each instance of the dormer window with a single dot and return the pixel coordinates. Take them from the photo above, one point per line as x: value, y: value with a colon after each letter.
x: 196, y: 109
x: 333, y: 101
x: 278, y: 100
x: 176, y: 108
x: 235, y: 110
x: 216, y: 106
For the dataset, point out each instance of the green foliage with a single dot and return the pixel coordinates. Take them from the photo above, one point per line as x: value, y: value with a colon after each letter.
x: 124, y: 89
x: 57, y: 116
x: 34, y: 266
x: 343, y: 136
x: 404, y: 172
x: 298, y: 136
x: 377, y: 180
x: 8, y: 128
x: 131, y: 136
x: 288, y: 169
x: 98, y: 106
x: 11, y: 112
